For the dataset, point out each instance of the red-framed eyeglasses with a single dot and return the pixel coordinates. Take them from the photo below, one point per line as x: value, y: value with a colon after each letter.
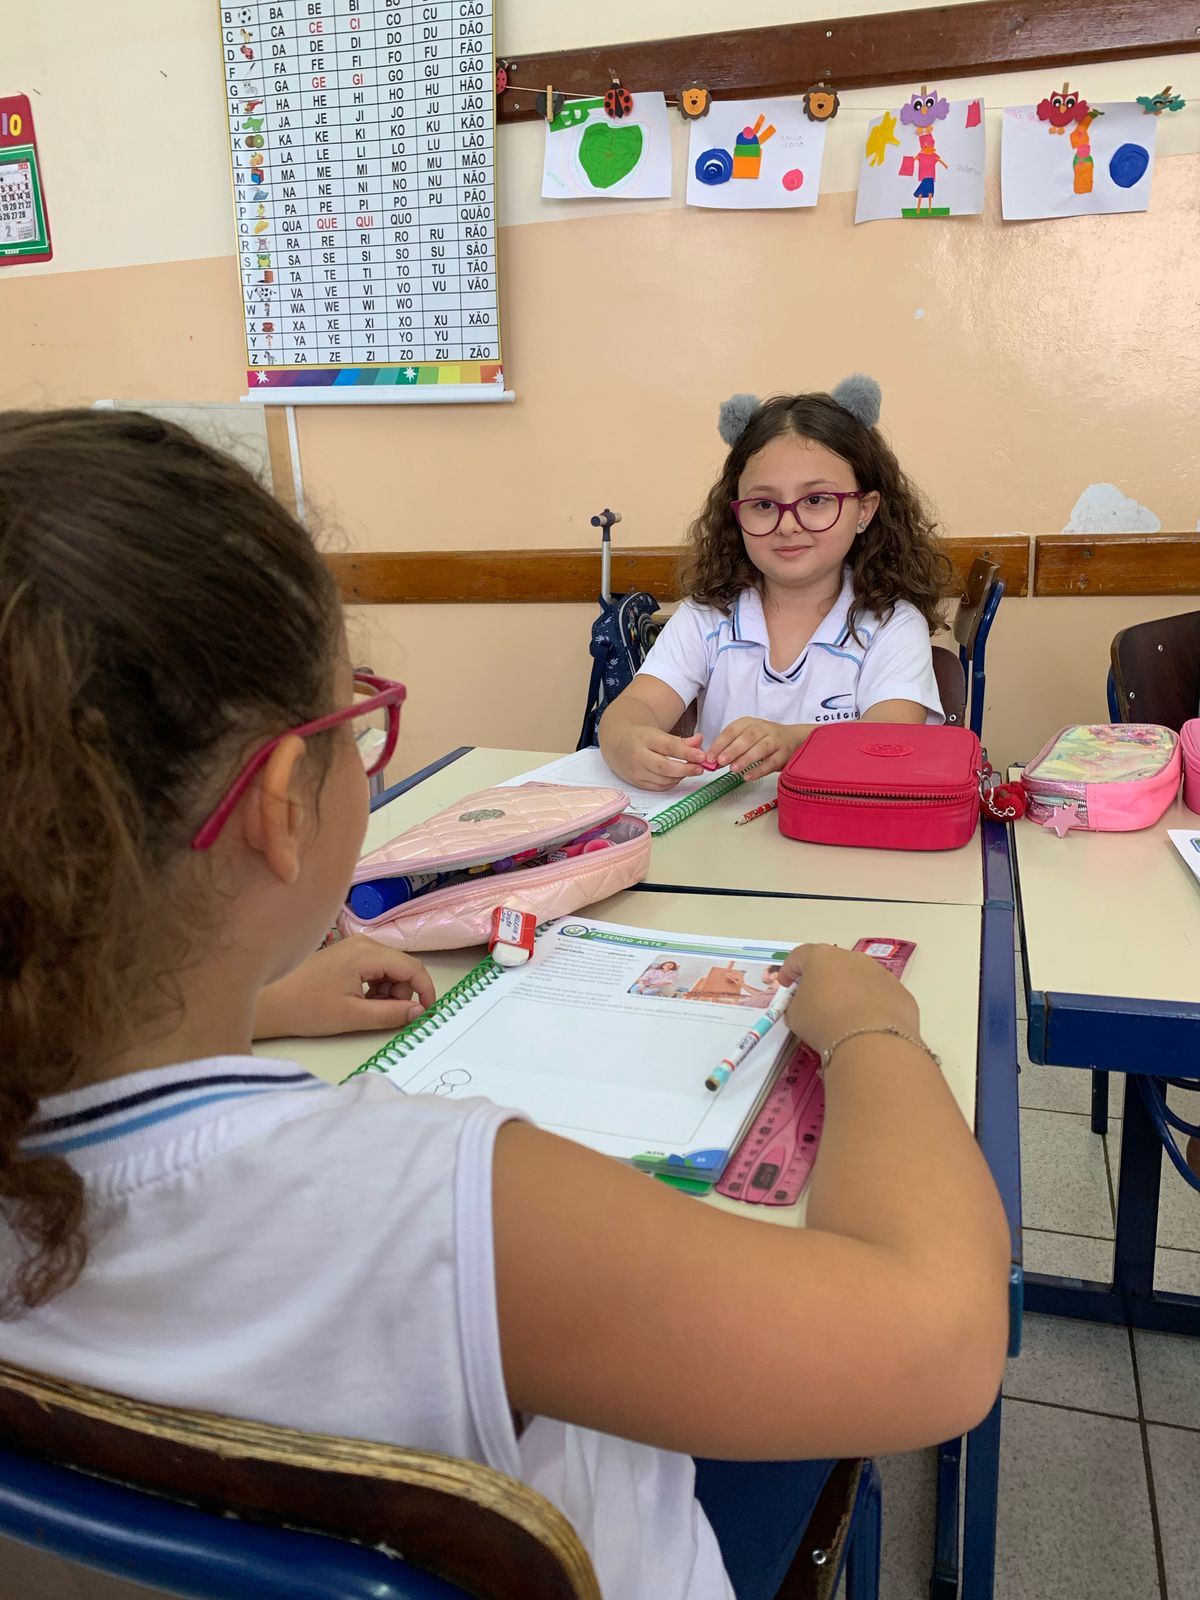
x: 376, y: 707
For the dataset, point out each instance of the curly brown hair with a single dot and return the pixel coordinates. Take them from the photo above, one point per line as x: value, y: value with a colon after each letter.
x: 899, y: 555
x: 159, y: 612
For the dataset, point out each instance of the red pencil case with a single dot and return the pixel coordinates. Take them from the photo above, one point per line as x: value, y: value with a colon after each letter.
x: 890, y: 786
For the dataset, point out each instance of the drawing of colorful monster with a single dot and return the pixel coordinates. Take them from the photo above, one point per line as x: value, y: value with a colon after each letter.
x: 1062, y: 109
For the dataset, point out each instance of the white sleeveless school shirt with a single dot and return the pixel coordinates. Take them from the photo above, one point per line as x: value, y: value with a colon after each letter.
x: 724, y: 662
x: 266, y: 1246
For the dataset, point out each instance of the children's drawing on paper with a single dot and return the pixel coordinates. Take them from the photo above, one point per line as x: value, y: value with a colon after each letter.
x: 940, y: 145
x: 1065, y: 111
x: 591, y: 154
x: 1066, y: 158
x: 755, y: 154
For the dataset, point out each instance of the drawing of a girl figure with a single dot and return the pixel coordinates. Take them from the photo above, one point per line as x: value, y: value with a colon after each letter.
x: 921, y: 113
x: 662, y: 980
x: 928, y: 161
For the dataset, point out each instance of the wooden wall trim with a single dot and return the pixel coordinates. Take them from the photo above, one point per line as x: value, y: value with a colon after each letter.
x: 950, y: 41
x: 1117, y: 563
x: 456, y: 577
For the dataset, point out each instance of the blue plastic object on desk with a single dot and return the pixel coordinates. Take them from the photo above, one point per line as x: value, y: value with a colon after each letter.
x: 368, y: 900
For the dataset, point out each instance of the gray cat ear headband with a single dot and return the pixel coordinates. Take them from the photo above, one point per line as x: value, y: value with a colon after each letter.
x: 857, y: 394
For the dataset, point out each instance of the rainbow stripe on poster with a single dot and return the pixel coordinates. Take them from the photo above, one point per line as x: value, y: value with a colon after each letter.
x: 372, y: 377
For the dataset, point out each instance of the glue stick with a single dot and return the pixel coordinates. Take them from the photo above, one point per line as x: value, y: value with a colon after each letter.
x: 511, y: 941
x: 372, y: 899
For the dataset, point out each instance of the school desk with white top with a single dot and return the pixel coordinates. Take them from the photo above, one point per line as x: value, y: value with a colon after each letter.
x: 707, y: 852
x: 709, y: 876
x: 1111, y: 930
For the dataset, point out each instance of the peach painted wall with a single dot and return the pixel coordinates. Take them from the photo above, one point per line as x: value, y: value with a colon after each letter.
x: 1019, y: 363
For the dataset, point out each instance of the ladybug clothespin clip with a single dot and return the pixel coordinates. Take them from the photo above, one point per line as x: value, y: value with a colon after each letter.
x: 1155, y: 104
x: 549, y: 104
x: 694, y: 102
x: 501, y: 78
x: 821, y: 103
x: 618, y: 102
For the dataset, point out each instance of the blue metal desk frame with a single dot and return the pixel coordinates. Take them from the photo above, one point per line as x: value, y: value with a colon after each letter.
x: 997, y: 1127
x: 1159, y: 1038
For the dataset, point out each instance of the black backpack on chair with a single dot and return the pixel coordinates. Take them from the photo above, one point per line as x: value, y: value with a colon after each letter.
x: 621, y: 637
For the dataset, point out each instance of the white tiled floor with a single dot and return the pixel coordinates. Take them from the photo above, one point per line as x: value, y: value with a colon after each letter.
x: 1100, y: 1461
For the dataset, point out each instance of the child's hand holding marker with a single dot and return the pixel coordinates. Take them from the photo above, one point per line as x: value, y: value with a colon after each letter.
x: 842, y: 993
x: 721, y: 1074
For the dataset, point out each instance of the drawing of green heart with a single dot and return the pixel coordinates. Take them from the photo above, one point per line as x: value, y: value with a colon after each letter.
x: 607, y: 153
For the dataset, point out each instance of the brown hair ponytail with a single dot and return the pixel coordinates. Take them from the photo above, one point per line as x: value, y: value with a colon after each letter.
x: 158, y: 611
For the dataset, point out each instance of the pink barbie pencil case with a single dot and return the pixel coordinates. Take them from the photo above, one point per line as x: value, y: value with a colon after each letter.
x: 1109, y: 777
x: 547, y: 848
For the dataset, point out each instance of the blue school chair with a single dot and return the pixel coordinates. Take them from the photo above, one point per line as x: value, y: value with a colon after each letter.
x: 1153, y: 676
x: 99, y: 1492
x: 120, y: 1499
x: 972, y: 624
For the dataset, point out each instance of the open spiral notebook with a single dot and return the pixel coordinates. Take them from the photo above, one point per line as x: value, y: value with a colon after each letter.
x: 662, y: 811
x: 606, y: 1037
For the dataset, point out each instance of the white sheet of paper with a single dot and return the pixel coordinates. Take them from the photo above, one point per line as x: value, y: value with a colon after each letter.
x: 893, y: 163
x: 588, y: 769
x: 1038, y: 170
x: 588, y: 1042
x: 596, y: 157
x: 1187, y: 842
x: 771, y: 170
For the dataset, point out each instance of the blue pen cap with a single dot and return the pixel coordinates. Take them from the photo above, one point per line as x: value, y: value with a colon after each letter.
x: 368, y: 900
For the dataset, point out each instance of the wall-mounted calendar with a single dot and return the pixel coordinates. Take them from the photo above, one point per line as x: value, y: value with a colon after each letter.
x: 362, y: 140
x: 24, y: 225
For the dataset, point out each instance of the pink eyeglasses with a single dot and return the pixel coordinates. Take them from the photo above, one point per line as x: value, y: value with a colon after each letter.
x: 377, y: 700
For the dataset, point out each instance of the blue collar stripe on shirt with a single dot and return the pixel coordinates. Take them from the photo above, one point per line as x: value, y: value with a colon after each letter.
x: 845, y: 655
x: 63, y: 1144
x: 108, y: 1108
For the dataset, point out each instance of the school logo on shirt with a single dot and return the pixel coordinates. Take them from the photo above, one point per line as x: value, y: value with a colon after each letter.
x: 836, y: 708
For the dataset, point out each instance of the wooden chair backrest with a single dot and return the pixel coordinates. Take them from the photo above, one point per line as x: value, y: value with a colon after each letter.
x: 1156, y: 670
x: 979, y: 580
x: 495, y: 1537
x: 952, y: 685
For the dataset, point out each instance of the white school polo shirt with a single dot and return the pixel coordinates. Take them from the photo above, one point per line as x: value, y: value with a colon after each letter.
x: 725, y: 664
x: 266, y: 1246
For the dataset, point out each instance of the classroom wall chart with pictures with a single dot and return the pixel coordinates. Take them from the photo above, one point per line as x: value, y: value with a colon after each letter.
x: 362, y: 140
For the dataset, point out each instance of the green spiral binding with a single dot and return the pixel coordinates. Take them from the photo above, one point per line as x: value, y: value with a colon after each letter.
x: 688, y: 807
x: 424, y: 1028
x: 416, y: 1033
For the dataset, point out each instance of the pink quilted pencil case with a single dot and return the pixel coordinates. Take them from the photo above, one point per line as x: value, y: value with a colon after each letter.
x: 548, y: 848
